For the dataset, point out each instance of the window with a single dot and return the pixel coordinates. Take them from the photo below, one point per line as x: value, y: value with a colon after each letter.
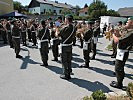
x: 50, y: 10
x: 44, y: 11
x: 54, y: 11
x: 34, y: 9
x: 86, y: 13
x: 60, y: 11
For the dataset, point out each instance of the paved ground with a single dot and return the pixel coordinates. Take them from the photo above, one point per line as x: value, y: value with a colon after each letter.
x: 26, y: 80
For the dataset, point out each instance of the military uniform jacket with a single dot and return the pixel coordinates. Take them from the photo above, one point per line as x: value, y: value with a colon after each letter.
x: 8, y: 27
x: 15, y: 31
x: 41, y: 33
x: 54, y: 39
x: 88, y: 35
x: 33, y: 29
x: 96, y: 31
x: 126, y: 41
x: 66, y: 32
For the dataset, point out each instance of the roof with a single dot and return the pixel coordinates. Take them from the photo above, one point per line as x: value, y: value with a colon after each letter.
x: 128, y: 11
x: 84, y: 10
x: 56, y: 4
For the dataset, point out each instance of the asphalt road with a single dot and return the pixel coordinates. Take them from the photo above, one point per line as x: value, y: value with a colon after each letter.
x: 25, y: 79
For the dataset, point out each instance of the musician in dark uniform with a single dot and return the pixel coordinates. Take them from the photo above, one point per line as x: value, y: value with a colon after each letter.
x: 54, y: 44
x: 16, y: 38
x: 74, y: 39
x: 67, y: 33
x: 23, y: 33
x: 96, y: 32
x: 87, y: 44
x: 44, y: 38
x: 3, y: 31
x: 125, y: 43
x: 33, y: 33
x: 9, y: 34
x: 28, y: 30
x: 114, y: 45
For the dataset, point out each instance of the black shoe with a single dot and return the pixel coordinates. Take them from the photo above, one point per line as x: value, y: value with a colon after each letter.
x: 113, y: 56
x: 84, y: 66
x: 46, y: 64
x: 116, y: 85
x: 92, y: 58
x: 114, y: 73
x: 11, y: 46
x: 42, y: 65
x: 65, y: 77
x: 74, y: 44
x: 24, y: 44
x: 19, y: 56
x: 114, y: 62
x: 33, y: 45
x: 71, y: 73
x: 56, y: 59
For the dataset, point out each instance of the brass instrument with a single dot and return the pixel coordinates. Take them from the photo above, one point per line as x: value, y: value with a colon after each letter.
x: 118, y: 31
x: 108, y: 35
x: 58, y: 29
x: 80, y: 31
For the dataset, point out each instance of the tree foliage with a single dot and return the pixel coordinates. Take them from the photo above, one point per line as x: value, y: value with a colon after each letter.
x: 66, y: 11
x: 17, y: 6
x: 77, y: 10
x: 99, y: 8
x: 112, y: 13
x: 96, y: 9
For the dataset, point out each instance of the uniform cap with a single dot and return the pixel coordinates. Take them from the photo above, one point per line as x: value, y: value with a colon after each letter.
x: 130, y: 18
x: 49, y: 18
x: 97, y: 21
x: 90, y: 22
x: 69, y: 16
x: 43, y: 22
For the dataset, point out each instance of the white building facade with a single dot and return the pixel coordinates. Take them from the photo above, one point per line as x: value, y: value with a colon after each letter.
x: 48, y: 7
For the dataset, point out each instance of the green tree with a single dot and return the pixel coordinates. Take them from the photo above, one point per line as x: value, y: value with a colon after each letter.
x: 77, y: 10
x: 66, y: 11
x: 18, y: 6
x: 97, y: 8
x: 112, y: 13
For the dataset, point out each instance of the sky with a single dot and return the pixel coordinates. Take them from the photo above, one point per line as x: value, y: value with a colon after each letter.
x: 112, y: 4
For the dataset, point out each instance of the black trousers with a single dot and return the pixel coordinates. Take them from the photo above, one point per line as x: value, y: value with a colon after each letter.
x: 16, y: 44
x: 34, y: 39
x: 55, y: 48
x: 29, y: 35
x: 94, y: 49
x: 66, y: 58
x: 23, y: 34
x: 44, y: 52
x: 86, y: 54
x: 119, y: 68
x: 4, y: 36
x: 9, y: 37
